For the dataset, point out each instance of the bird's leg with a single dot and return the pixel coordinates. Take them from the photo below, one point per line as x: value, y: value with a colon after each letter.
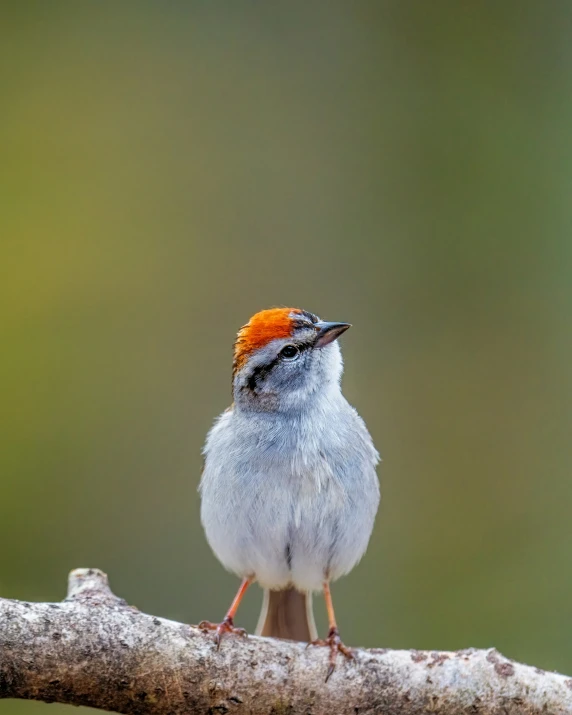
x: 333, y: 641
x: 227, y: 625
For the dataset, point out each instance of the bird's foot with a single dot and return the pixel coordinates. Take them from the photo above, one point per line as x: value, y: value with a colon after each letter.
x: 227, y: 626
x: 334, y: 642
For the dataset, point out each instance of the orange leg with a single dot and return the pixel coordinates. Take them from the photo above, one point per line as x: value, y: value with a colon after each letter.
x: 330, y: 607
x: 227, y: 625
x: 333, y: 641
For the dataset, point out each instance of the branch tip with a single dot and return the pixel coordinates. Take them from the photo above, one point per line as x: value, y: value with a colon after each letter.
x: 94, y: 650
x: 89, y: 583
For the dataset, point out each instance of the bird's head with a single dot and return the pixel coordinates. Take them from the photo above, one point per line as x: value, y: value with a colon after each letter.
x: 284, y: 357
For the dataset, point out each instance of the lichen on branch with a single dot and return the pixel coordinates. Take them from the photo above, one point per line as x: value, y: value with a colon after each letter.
x: 94, y: 649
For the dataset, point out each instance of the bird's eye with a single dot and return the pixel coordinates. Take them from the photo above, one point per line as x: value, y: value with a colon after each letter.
x: 289, y: 352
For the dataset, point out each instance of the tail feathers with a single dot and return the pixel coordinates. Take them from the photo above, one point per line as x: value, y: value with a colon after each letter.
x: 287, y: 614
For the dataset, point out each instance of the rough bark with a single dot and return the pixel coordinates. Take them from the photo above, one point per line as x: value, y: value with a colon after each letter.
x: 94, y: 649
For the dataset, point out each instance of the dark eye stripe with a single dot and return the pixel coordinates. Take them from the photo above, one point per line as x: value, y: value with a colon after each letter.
x: 305, y: 346
x: 262, y: 371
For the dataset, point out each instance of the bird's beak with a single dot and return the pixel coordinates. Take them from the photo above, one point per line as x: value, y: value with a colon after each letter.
x: 328, y: 332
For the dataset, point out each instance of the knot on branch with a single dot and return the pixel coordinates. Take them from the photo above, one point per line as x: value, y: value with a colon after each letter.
x: 95, y: 650
x: 91, y: 585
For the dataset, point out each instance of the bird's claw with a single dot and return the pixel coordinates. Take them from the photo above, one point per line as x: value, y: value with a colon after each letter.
x: 334, y: 642
x: 226, y: 626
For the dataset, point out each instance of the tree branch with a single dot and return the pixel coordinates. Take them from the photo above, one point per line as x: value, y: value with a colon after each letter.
x: 93, y: 649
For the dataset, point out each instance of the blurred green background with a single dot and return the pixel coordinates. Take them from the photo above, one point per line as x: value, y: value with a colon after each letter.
x: 170, y: 168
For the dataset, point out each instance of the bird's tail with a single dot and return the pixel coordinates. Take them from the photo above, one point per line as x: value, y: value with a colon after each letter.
x: 287, y: 614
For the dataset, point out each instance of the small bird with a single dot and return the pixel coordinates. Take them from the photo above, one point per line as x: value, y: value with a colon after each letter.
x: 289, y: 490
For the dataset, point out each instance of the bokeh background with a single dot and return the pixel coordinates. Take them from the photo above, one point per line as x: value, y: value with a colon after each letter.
x: 170, y: 168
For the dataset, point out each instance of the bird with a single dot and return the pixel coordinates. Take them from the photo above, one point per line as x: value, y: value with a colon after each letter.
x: 289, y: 489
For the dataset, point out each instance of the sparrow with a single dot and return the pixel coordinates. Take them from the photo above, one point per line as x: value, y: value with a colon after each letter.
x: 289, y: 490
